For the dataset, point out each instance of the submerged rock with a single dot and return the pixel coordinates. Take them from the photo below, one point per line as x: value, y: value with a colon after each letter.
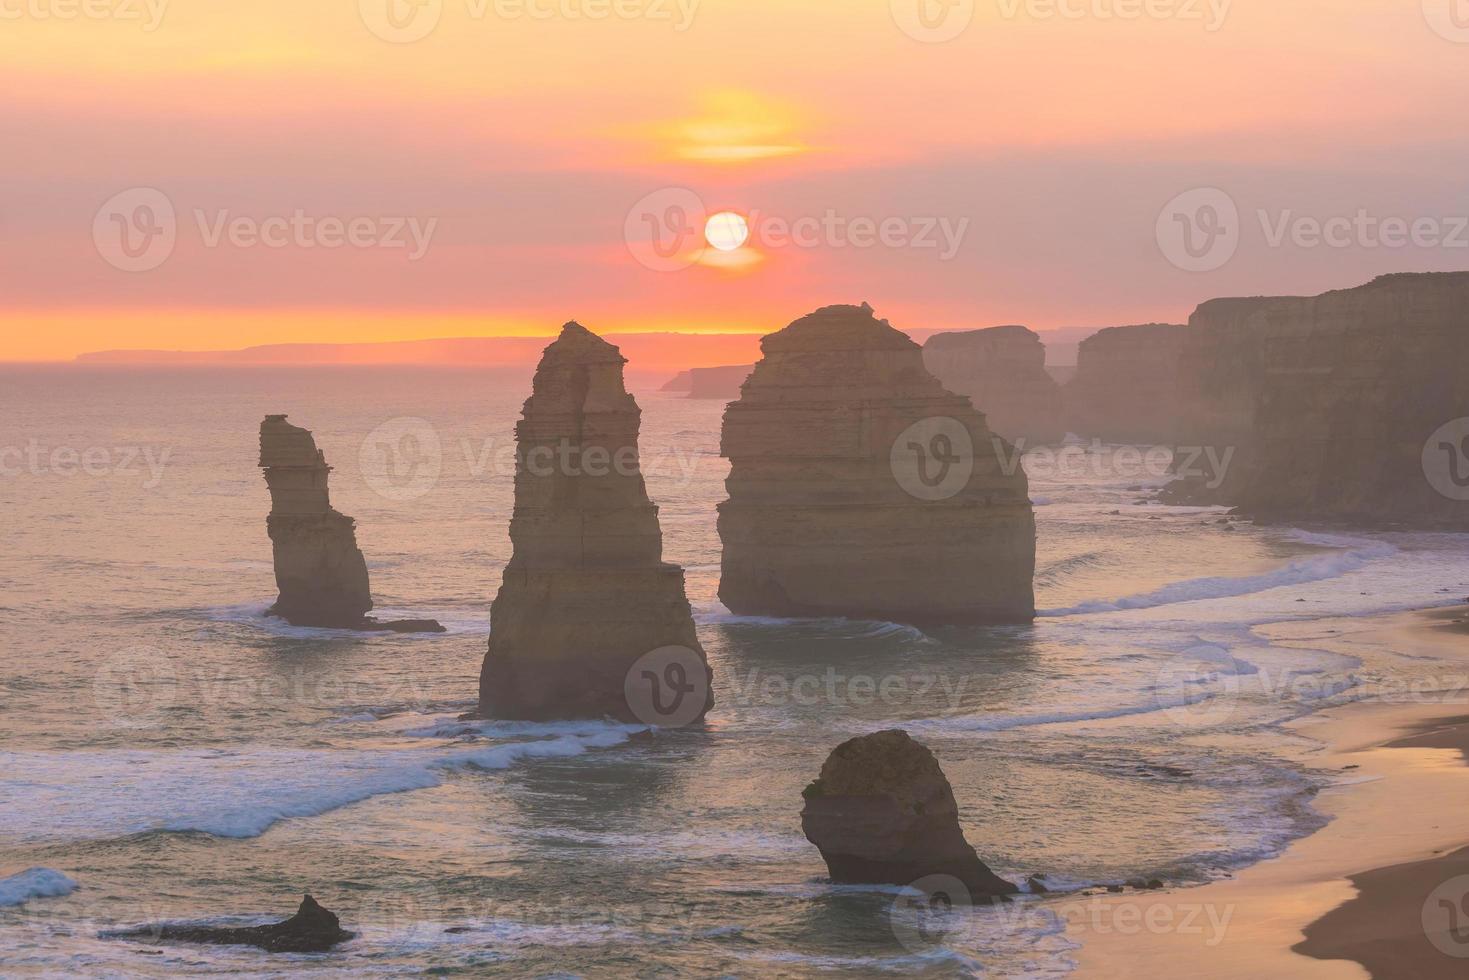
x: 320, y: 571
x: 586, y: 597
x: 1003, y: 372
x: 860, y: 487
x: 311, y: 930
x: 882, y: 812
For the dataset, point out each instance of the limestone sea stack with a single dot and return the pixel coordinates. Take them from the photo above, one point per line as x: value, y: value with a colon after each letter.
x: 860, y: 487
x: 586, y: 595
x: 882, y: 813
x: 721, y: 383
x: 319, y: 570
x: 1125, y: 388
x: 1003, y: 371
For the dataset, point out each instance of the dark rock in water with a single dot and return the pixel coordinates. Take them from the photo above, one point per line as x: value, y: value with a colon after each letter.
x: 320, y: 571
x: 590, y: 621
x: 1037, y: 885
x: 311, y: 930
x: 882, y: 812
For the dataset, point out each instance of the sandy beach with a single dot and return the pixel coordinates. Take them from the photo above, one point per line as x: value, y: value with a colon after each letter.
x: 1380, y: 891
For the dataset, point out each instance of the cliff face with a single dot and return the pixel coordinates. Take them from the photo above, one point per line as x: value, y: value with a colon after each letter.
x: 1358, y: 383
x: 321, y: 574
x: 1125, y: 388
x: 586, y: 596
x: 860, y: 487
x: 882, y: 812
x: 1333, y: 403
x: 1003, y: 372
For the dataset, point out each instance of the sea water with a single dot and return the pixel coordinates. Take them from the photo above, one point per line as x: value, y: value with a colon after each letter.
x: 170, y: 753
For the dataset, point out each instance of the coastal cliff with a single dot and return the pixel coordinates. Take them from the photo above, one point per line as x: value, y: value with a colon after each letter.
x: 586, y: 597
x: 1339, y: 407
x: 1003, y: 372
x: 1125, y: 388
x: 860, y: 487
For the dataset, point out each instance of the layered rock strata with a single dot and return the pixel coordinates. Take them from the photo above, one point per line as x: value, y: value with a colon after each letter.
x: 860, y: 487
x: 586, y: 597
x: 1125, y: 388
x: 1003, y: 372
x: 1349, y: 407
x: 882, y: 812
x: 319, y: 570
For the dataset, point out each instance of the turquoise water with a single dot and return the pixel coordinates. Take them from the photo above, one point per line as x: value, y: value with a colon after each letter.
x: 176, y: 755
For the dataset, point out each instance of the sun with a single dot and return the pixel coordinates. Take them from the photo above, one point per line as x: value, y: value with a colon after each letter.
x: 727, y: 231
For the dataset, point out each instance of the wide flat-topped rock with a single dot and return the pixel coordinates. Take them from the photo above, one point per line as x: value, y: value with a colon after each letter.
x: 1002, y: 370
x: 860, y: 487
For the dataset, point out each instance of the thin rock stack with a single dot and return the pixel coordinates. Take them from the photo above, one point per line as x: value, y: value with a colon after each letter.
x: 590, y: 622
x: 860, y: 487
x: 320, y: 571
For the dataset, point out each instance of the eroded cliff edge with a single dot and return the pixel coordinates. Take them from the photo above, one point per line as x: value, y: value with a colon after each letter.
x: 860, y: 487
x: 586, y: 595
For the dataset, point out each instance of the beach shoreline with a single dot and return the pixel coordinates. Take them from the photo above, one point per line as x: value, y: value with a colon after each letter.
x: 1353, y: 892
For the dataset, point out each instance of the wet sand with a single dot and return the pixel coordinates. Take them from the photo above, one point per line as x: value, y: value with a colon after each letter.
x: 1348, y: 901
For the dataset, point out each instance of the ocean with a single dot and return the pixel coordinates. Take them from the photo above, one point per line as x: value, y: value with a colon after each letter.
x: 170, y: 753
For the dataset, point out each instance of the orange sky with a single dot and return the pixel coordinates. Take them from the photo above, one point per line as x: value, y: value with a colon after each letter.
x: 524, y: 140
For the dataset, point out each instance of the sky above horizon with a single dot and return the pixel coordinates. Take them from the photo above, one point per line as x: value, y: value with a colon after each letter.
x: 190, y: 174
